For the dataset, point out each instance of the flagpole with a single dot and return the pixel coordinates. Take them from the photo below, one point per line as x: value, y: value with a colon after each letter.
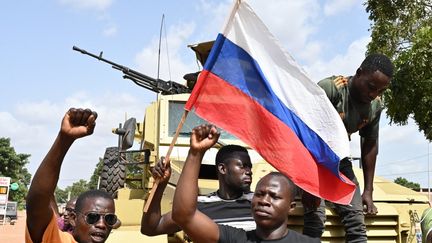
x: 231, y: 16
x: 167, y: 158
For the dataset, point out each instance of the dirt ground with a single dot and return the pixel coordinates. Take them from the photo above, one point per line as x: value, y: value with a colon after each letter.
x: 13, y: 233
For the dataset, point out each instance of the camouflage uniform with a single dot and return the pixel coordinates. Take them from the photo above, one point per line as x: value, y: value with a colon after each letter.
x: 356, y: 117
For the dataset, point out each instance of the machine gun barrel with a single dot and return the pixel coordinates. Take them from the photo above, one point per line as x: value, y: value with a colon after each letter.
x: 142, y: 80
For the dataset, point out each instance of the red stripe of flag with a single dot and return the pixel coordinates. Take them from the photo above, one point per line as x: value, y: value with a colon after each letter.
x: 239, y: 114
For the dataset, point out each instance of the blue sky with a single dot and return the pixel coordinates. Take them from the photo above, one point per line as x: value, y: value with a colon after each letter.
x: 41, y: 77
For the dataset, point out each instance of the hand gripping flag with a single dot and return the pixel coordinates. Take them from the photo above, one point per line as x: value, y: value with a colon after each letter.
x: 255, y: 90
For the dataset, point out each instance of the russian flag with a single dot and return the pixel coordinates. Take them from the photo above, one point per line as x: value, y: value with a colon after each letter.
x: 255, y: 90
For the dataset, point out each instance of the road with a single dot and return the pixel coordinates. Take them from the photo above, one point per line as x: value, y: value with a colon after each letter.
x: 13, y: 233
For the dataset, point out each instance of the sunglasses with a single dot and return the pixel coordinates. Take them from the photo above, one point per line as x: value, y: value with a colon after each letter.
x: 93, y: 217
x: 69, y: 210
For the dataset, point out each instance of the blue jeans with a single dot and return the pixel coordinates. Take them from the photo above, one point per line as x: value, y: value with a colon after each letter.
x: 352, y: 216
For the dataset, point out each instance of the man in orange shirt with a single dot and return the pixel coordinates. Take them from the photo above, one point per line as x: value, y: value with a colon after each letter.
x: 93, y: 217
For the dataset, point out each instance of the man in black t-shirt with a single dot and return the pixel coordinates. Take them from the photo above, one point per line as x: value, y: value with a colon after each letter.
x: 272, y: 201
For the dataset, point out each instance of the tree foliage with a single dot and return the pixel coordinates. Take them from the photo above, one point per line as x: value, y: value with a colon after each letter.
x: 13, y: 165
x: 80, y: 186
x: 404, y: 182
x: 77, y: 188
x: 94, y: 179
x: 403, y: 31
x: 72, y: 191
x: 61, y: 196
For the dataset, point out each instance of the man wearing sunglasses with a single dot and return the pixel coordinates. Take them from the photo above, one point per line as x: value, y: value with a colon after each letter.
x: 93, y: 217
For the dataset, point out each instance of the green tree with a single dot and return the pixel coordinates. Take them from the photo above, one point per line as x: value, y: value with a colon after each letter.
x: 80, y: 186
x: 77, y: 188
x: 13, y: 165
x: 403, y: 31
x: 61, y: 195
x: 94, y: 179
x: 404, y: 182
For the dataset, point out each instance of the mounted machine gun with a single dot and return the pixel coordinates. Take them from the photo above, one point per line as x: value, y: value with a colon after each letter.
x: 142, y: 80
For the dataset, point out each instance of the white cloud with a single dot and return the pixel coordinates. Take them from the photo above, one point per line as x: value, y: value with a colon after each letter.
x: 402, y: 152
x: 110, y: 31
x: 311, y: 51
x: 216, y: 11
x: 334, y: 7
x: 390, y: 136
x: 33, y: 127
x: 41, y: 111
x: 292, y: 22
x: 22, y: 133
x: 98, y: 5
x: 345, y: 63
x: 176, y: 37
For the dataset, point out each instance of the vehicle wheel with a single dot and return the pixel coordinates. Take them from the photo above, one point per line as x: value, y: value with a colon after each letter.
x: 113, y: 173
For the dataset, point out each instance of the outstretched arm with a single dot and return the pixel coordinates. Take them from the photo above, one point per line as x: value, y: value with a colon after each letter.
x: 152, y: 222
x: 369, y: 152
x: 76, y: 123
x: 197, y: 226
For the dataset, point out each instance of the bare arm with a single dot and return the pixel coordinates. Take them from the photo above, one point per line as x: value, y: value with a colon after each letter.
x: 54, y: 207
x: 152, y: 222
x: 369, y: 152
x: 76, y: 123
x: 197, y: 226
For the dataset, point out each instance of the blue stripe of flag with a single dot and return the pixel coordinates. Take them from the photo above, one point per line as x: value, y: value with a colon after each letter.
x: 231, y: 63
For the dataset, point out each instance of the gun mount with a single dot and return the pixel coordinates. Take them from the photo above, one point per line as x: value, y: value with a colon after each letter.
x: 142, y: 80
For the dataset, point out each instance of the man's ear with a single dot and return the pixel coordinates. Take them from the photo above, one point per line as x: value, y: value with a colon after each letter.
x: 292, y: 206
x: 72, y: 219
x: 221, y: 168
x: 359, y: 72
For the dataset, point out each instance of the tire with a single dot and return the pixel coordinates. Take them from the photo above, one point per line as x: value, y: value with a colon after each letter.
x: 113, y: 173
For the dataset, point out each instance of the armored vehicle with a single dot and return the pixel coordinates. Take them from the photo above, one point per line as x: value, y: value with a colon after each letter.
x: 127, y: 176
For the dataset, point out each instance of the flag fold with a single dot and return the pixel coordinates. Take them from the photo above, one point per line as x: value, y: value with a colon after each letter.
x: 255, y: 90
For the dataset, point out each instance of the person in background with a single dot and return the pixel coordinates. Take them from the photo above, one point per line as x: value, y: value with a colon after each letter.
x: 64, y: 220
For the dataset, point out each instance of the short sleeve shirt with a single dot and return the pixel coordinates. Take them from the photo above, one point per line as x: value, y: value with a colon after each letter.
x: 52, y: 234
x: 229, y: 234
x: 236, y: 213
x: 355, y: 116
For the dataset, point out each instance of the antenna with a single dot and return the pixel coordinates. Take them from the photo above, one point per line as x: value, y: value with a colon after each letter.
x: 166, y: 42
x: 163, y: 29
x: 160, y: 38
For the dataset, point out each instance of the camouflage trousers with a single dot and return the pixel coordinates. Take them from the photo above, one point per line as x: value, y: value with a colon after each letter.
x: 352, y: 216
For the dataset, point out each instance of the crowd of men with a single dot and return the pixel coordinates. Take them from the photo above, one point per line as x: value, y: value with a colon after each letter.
x: 233, y: 213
